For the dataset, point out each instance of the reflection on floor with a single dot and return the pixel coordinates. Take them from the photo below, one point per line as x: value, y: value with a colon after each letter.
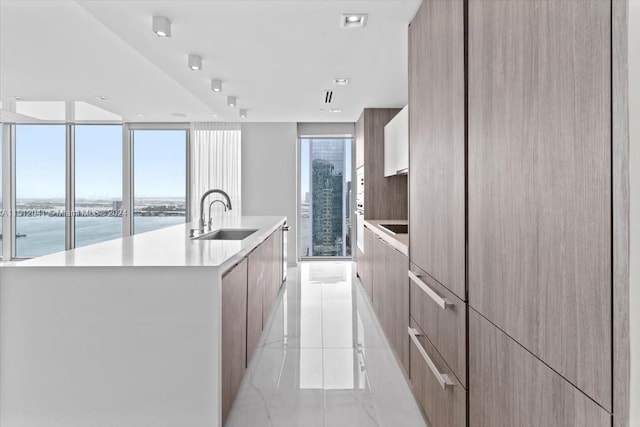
x: 324, y: 360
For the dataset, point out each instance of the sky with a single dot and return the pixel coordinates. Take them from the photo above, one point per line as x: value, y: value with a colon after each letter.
x: 159, y: 162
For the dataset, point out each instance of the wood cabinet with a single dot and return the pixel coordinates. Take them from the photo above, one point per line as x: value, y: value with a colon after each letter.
x: 509, y: 387
x: 437, y: 142
x: 359, y: 129
x: 384, y: 198
x: 377, y: 272
x: 234, y: 333
x: 443, y: 318
x: 394, y: 302
x: 388, y: 288
x: 249, y: 291
x: 444, y: 404
x: 367, y: 274
x: 540, y: 183
x: 258, y: 273
x: 273, y: 272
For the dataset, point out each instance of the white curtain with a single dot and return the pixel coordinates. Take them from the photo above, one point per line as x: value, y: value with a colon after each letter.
x: 215, y: 163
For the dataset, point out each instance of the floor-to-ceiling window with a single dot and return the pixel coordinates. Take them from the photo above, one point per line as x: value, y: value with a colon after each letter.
x: 325, y: 197
x: 1, y: 180
x: 159, y: 178
x: 98, y: 183
x: 40, y: 189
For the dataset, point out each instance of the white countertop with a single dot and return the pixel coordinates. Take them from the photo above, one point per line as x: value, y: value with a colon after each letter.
x: 399, y: 241
x: 167, y: 247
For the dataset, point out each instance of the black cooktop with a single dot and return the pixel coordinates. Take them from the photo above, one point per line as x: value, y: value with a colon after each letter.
x: 396, y: 228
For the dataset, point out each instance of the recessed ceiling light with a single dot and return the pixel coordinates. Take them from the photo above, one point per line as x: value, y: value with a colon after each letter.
x: 101, y: 98
x: 243, y: 113
x: 341, y: 81
x: 195, y: 62
x: 231, y: 101
x: 178, y: 114
x: 335, y: 110
x: 216, y: 85
x: 16, y: 98
x: 353, y: 20
x: 140, y: 114
x: 161, y: 26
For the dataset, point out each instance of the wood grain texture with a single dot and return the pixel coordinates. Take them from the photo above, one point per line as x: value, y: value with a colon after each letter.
x: 367, y: 277
x: 359, y: 129
x: 620, y: 150
x: 446, y: 329
x: 540, y: 181
x: 509, y: 387
x: 234, y: 333
x: 394, y: 304
x: 257, y: 277
x: 444, y: 408
x: 384, y: 198
x: 273, y: 259
x: 437, y: 142
x: 377, y: 274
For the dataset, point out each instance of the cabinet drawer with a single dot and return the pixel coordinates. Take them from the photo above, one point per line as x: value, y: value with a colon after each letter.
x: 441, y: 395
x: 443, y: 317
x: 508, y: 386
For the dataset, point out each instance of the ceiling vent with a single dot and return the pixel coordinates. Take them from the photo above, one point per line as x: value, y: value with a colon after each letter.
x: 328, y: 96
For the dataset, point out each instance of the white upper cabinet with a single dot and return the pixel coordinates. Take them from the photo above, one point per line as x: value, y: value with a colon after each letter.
x: 396, y: 144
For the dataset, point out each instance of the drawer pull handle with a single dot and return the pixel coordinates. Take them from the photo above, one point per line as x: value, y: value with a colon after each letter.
x: 442, y: 302
x: 443, y: 379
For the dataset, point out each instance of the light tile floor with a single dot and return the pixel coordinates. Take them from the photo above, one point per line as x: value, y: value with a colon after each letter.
x: 323, y: 359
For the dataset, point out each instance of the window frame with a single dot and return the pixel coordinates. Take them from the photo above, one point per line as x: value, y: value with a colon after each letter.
x: 8, y: 178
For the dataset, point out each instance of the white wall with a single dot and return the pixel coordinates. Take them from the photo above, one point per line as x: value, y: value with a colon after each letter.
x: 269, y: 174
x: 634, y: 169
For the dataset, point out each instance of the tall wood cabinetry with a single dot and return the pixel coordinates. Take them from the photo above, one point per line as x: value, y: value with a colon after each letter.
x: 384, y: 198
x: 437, y: 211
x: 540, y: 182
x: 510, y: 221
x: 437, y: 143
x: 234, y: 333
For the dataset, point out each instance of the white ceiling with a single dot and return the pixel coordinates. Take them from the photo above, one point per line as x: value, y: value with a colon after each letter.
x: 277, y: 57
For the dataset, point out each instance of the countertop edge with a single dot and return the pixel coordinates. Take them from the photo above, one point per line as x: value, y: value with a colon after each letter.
x: 244, y: 252
x: 399, y: 245
x: 266, y: 226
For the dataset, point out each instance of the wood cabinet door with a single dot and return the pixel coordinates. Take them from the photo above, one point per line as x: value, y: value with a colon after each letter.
x: 268, y: 297
x: 234, y: 333
x: 359, y: 128
x: 257, y: 278
x: 276, y: 265
x: 367, y: 277
x: 273, y: 272
x: 509, y: 387
x: 394, y: 303
x: 378, y: 276
x: 384, y: 198
x: 540, y: 181
x: 437, y: 142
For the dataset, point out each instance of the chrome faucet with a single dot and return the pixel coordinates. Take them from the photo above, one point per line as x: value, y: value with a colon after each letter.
x: 211, y: 205
x: 204, y: 196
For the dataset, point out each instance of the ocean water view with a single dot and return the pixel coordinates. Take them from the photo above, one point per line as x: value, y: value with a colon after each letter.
x: 45, y: 235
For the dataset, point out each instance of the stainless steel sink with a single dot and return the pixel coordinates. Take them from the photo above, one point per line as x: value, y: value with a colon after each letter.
x: 227, y: 234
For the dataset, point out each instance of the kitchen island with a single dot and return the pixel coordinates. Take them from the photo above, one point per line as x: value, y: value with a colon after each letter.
x: 154, y: 329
